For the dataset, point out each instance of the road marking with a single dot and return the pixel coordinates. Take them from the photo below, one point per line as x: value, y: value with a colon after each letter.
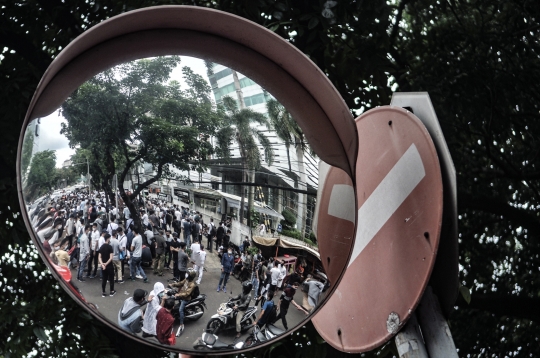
x: 341, y: 201
x: 387, y: 198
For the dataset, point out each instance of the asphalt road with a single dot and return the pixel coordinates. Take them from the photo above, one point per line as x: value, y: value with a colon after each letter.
x: 109, y: 306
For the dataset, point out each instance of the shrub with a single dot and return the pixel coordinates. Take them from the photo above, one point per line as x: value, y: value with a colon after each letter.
x: 295, y: 234
x: 290, y: 220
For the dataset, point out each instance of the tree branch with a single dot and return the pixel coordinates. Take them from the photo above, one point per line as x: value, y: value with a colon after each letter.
x: 149, y: 181
x: 498, y: 207
x: 504, y: 305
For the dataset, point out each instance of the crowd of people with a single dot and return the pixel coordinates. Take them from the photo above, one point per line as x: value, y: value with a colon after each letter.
x: 80, y: 231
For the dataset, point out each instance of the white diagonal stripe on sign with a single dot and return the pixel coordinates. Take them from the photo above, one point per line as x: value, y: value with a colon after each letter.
x: 387, y: 198
x: 341, y: 202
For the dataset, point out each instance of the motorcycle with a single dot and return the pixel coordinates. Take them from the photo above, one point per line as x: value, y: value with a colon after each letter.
x: 211, y: 341
x: 226, y: 318
x: 193, y: 310
x: 258, y: 336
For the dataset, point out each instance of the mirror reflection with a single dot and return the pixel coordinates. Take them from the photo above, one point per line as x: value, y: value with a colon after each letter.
x: 176, y: 196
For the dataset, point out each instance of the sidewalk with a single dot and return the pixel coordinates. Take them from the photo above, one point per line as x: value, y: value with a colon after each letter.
x: 213, y: 262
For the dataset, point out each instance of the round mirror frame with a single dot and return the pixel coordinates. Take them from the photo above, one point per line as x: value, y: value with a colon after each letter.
x: 232, y: 41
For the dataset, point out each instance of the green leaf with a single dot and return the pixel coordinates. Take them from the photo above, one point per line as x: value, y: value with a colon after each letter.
x: 278, y: 15
x: 466, y: 293
x: 40, y: 333
x: 313, y: 22
x: 273, y: 28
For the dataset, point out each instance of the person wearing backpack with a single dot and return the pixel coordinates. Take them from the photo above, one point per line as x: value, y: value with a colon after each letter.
x: 268, y: 311
x: 130, y: 316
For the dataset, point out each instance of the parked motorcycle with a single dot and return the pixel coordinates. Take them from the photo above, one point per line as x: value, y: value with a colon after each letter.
x: 258, y: 336
x: 211, y: 341
x: 226, y: 318
x: 193, y: 310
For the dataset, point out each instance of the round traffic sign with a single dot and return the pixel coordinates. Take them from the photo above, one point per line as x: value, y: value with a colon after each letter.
x: 334, y: 219
x: 399, y: 198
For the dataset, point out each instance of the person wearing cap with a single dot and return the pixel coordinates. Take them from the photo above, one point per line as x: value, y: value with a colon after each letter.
x: 185, y: 289
x: 130, y: 316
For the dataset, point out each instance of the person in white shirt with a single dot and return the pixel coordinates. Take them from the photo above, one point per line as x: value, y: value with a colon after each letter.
x: 93, y: 261
x: 127, y: 213
x: 195, y: 248
x: 101, y: 239
x: 112, y: 226
x: 84, y: 253
x: 114, y: 214
x: 262, y: 229
x: 136, y: 259
x: 200, y: 258
x: 144, y: 218
x: 282, y: 274
x: 275, y: 272
x: 122, y: 240
x: 129, y: 222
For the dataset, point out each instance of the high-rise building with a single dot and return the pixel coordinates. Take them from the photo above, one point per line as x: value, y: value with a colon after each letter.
x: 284, y: 172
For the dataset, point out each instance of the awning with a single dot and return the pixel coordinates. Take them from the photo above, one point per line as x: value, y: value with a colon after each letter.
x: 235, y: 203
x: 281, y: 242
x: 292, y: 245
x: 265, y: 241
x: 269, y: 212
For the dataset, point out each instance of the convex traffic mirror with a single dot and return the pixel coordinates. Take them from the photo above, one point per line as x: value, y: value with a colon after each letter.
x: 168, y: 147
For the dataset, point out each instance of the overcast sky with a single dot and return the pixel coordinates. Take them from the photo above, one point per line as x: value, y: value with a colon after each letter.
x: 49, y: 129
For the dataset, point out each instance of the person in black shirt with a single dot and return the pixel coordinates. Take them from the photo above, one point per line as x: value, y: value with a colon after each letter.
x: 287, y: 297
x: 105, y: 258
x: 220, y: 233
x: 226, y: 240
x: 175, y: 246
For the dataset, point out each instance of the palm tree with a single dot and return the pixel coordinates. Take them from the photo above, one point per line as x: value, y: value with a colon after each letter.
x: 239, y: 127
x: 290, y: 133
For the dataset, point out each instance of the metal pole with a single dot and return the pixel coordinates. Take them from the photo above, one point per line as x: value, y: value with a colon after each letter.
x: 409, y: 340
x: 88, y: 176
x: 439, y: 342
x: 116, y: 192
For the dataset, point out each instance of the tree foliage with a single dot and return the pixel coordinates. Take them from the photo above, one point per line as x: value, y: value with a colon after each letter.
x: 27, y: 149
x: 131, y: 114
x: 477, y: 59
x: 42, y: 174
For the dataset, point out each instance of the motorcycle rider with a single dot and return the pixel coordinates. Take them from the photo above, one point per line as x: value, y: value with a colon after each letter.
x: 186, y: 287
x: 242, y: 305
